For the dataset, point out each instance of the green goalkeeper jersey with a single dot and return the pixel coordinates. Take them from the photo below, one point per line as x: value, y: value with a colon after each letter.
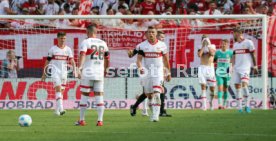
x: 223, y: 59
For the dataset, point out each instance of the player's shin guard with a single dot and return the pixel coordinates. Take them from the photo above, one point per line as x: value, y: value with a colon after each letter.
x: 204, y: 100
x: 145, y: 106
x: 59, y: 105
x: 220, y: 98
x: 100, y: 107
x: 239, y: 98
x: 156, y: 106
x: 83, y: 106
x: 246, y: 95
x: 225, y: 96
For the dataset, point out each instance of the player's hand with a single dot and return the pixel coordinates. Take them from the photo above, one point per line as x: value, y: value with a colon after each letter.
x: 79, y: 73
x: 130, y: 53
x: 43, y: 77
x: 168, y: 78
x: 142, y: 71
x: 255, y: 70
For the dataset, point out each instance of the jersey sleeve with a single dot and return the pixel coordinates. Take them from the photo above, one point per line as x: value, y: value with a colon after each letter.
x: 106, y: 52
x: 83, y: 47
x: 70, y: 55
x: 165, y: 49
x: 251, y: 46
x: 50, y: 53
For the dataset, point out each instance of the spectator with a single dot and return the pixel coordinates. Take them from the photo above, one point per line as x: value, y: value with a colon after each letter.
x: 135, y: 7
x: 62, y: 23
x: 212, y: 9
x: 10, y: 65
x: 70, y: 3
x: 117, y: 23
x: 51, y: 8
x: 31, y: 6
x: 152, y: 22
x: 121, y: 10
x: 16, y: 5
x: 5, y: 8
x: 146, y: 6
x: 26, y: 23
x: 66, y: 8
x: 120, y: 3
x: 85, y: 7
x: 129, y: 23
x: 170, y: 3
x: 102, y: 4
x: 160, y: 7
x: 200, y: 5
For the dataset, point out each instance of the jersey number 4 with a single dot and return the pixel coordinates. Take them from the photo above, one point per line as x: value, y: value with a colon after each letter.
x: 98, y: 52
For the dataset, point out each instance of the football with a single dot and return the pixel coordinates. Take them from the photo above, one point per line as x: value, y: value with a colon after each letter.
x: 25, y: 120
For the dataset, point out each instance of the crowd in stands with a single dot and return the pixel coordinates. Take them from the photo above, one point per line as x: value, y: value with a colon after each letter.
x: 127, y: 7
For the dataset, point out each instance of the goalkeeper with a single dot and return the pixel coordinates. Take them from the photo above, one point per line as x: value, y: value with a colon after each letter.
x: 142, y: 97
x: 223, y: 58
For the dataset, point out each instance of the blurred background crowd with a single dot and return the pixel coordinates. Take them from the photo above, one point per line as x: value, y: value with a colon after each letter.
x: 127, y: 7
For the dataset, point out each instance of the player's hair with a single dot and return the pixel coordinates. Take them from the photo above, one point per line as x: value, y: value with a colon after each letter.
x: 225, y: 40
x: 151, y: 27
x: 61, y: 34
x: 204, y: 36
x: 92, y: 29
x: 9, y: 52
x: 237, y: 30
x: 160, y: 32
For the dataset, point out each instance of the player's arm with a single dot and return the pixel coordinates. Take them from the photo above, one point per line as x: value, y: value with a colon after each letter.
x: 139, y: 63
x: 253, y: 56
x: 200, y: 52
x: 132, y: 53
x: 106, y: 61
x: 43, y: 77
x: 81, y: 62
x: 72, y: 61
x: 212, y: 51
x: 167, y: 66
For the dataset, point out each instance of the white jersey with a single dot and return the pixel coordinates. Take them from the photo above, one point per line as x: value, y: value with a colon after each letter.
x: 153, y: 57
x: 95, y: 50
x: 58, y: 63
x: 243, y: 59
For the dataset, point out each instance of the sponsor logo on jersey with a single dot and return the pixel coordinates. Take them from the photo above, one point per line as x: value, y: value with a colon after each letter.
x: 223, y: 60
x: 60, y: 57
x: 242, y: 51
x: 153, y: 54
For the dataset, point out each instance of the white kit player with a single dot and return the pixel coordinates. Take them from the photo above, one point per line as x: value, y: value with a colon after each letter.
x: 58, y: 57
x: 206, y: 71
x: 243, y: 58
x: 155, y: 57
x: 93, y: 63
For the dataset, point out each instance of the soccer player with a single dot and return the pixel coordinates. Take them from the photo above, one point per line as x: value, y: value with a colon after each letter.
x: 244, y: 56
x: 155, y: 57
x: 57, y: 59
x: 223, y: 58
x: 206, y: 72
x: 143, y: 97
x: 93, y: 63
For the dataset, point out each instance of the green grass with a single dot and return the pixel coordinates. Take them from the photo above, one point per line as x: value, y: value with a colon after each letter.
x: 185, y: 125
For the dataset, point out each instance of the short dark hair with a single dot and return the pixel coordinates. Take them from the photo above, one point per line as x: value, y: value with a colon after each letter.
x: 238, y: 30
x: 225, y: 40
x: 92, y: 28
x: 61, y: 34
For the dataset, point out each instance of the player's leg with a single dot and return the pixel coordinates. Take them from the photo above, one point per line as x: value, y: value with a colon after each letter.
x: 163, y: 111
x: 145, y: 108
x: 212, y: 95
x: 220, y: 91
x: 85, y: 88
x: 58, y: 92
x: 226, y: 84
x: 244, y: 83
x: 202, y: 82
x: 211, y: 82
x: 237, y: 81
x: 156, y: 101
x: 98, y: 92
x: 61, y: 109
x: 139, y: 100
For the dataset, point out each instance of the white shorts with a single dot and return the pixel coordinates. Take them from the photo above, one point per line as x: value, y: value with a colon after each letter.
x: 59, y: 81
x: 239, y: 77
x: 153, y: 84
x: 91, y: 85
x: 206, y: 75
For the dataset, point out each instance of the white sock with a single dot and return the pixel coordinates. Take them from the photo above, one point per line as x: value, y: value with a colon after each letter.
x: 156, y: 106
x: 83, y: 106
x: 59, y: 105
x: 204, y: 99
x: 239, y: 98
x: 246, y: 95
x: 100, y: 107
x: 145, y: 105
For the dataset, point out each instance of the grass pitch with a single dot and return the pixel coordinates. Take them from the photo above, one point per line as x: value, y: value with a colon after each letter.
x: 185, y: 125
